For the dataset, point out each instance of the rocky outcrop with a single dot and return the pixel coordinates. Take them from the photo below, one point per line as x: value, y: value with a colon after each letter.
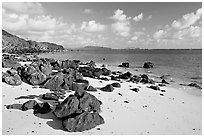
x: 11, y: 77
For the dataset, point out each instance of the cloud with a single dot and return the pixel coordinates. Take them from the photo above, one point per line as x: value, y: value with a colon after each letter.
x: 121, y: 26
x: 92, y: 26
x: 187, y: 20
x: 120, y: 16
x: 188, y: 33
x: 138, y: 18
x: 23, y: 22
x: 87, y: 11
x: 149, y: 17
x: 159, y: 34
x: 24, y: 7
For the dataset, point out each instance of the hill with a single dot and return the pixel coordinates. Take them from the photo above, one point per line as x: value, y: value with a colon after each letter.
x: 14, y: 44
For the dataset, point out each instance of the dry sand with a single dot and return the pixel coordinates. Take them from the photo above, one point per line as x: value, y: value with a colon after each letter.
x: 125, y: 112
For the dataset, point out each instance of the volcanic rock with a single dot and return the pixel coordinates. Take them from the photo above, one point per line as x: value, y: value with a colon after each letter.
x: 154, y: 87
x: 91, y: 88
x: 11, y: 77
x: 117, y: 85
x: 148, y: 65
x: 68, y: 107
x: 126, y: 75
x: 107, y: 88
x: 42, y: 108
x: 82, y: 122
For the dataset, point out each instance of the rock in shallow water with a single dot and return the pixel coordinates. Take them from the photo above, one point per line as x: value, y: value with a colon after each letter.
x: 82, y: 122
x: 148, y: 65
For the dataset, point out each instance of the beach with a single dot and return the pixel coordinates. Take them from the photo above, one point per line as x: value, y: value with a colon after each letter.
x: 168, y: 111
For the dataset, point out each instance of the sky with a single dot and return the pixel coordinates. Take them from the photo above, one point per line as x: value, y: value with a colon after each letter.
x: 152, y: 25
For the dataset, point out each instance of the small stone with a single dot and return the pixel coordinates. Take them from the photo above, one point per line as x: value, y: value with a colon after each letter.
x: 126, y: 101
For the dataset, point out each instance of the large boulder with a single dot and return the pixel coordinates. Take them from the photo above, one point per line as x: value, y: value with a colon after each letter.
x: 11, y: 77
x: 75, y: 104
x: 87, y: 102
x: 55, y: 82
x: 82, y: 122
x: 68, y: 107
x: 148, y: 65
x: 36, y: 78
x: 35, y: 73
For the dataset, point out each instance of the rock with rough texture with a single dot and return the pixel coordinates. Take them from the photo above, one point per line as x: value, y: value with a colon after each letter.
x: 91, y: 88
x: 68, y: 107
x: 87, y: 102
x: 126, y: 75
x: 80, y: 84
x: 8, y: 63
x: 69, y: 64
x: 164, y: 81
x: 11, y: 77
x: 154, y: 87
x: 135, y: 79
x: 42, y: 108
x: 135, y: 89
x: 107, y: 88
x: 82, y: 122
x: 29, y: 105
x: 117, y: 85
x: 124, y: 64
x: 50, y: 96
x: 54, y: 82
x: 148, y: 65
x: 36, y: 78
x: 195, y: 85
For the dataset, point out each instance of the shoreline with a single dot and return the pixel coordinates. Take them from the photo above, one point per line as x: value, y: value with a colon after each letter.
x: 148, y: 111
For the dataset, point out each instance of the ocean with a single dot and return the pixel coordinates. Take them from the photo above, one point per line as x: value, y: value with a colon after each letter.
x: 183, y: 66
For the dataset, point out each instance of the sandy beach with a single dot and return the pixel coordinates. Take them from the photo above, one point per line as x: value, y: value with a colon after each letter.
x: 169, y: 111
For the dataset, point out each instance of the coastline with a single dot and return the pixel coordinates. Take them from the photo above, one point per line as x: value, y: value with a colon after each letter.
x: 124, y: 111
